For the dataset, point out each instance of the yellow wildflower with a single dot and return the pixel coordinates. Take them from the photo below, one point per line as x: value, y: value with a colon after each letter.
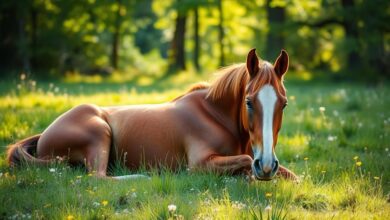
x: 78, y: 177
x: 104, y: 202
x: 359, y: 163
x: 268, y: 195
x: 323, y: 171
x: 355, y: 157
x: 376, y: 178
x: 70, y: 217
x: 306, y: 158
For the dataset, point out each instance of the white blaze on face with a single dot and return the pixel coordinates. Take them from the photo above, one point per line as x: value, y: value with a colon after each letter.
x: 267, y: 98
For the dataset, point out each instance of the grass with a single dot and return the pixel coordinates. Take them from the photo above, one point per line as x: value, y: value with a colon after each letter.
x: 335, y: 136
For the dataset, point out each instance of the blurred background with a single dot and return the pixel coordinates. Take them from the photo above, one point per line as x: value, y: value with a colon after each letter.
x: 338, y: 39
x: 57, y: 54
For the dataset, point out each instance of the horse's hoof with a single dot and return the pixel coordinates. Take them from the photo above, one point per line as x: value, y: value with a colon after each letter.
x: 133, y: 176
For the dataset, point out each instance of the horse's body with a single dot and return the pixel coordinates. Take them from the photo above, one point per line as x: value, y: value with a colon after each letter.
x: 205, y: 128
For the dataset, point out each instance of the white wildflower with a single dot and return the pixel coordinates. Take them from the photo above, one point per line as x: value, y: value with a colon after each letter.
x: 95, y: 204
x: 172, y: 208
x: 332, y: 138
x: 322, y: 109
x: 238, y: 205
x: 52, y: 170
x: 268, y: 208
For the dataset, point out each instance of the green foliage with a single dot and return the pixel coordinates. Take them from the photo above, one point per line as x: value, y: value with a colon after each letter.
x: 348, y: 38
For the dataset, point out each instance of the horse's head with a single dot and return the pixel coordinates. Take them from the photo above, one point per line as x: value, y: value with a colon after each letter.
x: 265, y: 99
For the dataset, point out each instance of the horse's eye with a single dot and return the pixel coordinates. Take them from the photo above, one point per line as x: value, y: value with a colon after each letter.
x: 249, y: 104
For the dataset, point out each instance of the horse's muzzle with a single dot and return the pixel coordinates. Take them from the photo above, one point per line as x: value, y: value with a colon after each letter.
x: 264, y: 172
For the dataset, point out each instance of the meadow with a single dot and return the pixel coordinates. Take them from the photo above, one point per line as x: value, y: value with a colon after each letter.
x: 335, y: 136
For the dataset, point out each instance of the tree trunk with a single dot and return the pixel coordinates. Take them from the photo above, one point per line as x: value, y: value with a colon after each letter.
x: 351, y: 34
x: 196, y: 38
x: 115, y: 40
x: 177, y: 53
x: 23, y: 46
x: 275, y: 38
x: 221, y: 34
x: 33, y: 37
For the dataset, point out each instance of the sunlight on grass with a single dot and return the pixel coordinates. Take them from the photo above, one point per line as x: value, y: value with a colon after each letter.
x: 75, y: 77
x: 334, y: 137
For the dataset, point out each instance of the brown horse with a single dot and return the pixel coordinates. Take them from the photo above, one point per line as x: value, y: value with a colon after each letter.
x: 230, y: 126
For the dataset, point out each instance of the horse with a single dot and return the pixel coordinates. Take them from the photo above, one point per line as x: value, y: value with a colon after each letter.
x: 229, y: 126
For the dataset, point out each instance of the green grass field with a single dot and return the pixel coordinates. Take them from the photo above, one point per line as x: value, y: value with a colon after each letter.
x: 335, y: 136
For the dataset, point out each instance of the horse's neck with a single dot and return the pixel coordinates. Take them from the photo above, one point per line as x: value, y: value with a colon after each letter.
x: 228, y: 111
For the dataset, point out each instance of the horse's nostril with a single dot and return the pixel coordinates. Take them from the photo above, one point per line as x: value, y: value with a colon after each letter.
x: 257, y: 164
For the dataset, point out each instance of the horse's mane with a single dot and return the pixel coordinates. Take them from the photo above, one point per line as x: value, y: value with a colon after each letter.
x: 198, y: 86
x: 233, y: 80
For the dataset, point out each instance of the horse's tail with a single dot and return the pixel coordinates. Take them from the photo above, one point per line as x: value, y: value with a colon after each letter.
x: 23, y: 151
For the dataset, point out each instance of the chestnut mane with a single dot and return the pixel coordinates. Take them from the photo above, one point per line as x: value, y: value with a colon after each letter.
x: 233, y: 80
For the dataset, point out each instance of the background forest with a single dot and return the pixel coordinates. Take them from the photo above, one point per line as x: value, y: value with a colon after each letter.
x: 347, y: 38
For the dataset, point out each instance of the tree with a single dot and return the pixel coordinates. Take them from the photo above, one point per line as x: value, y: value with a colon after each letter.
x: 275, y: 37
x: 116, y: 35
x: 221, y: 35
x: 14, y: 39
x: 196, y: 38
x: 147, y: 37
x: 177, y: 60
x: 363, y: 44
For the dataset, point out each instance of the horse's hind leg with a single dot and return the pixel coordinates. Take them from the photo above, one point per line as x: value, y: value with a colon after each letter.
x: 96, y: 159
x: 82, y: 135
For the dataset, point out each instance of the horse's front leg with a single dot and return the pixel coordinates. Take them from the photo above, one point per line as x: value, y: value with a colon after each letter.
x: 287, y: 174
x: 225, y: 164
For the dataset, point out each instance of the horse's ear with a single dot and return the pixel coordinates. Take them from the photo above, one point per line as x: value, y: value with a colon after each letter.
x: 252, y: 63
x: 281, y: 64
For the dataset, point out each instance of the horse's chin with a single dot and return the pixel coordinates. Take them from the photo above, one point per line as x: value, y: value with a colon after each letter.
x: 263, y: 178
